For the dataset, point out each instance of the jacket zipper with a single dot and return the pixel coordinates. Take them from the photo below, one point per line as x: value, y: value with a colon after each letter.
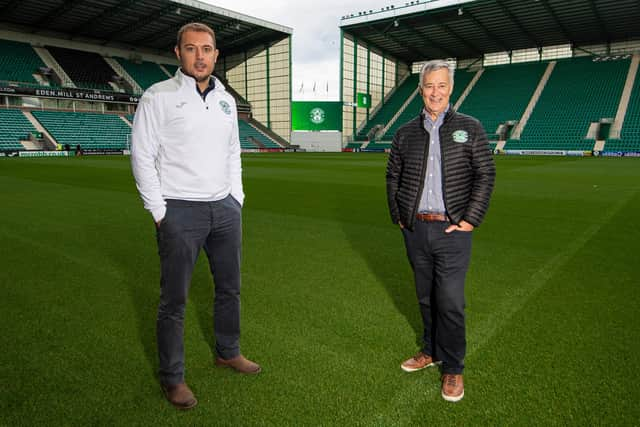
x: 442, y: 167
x: 424, y: 172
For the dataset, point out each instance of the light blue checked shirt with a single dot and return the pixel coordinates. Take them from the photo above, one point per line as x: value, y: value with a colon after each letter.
x: 431, y: 200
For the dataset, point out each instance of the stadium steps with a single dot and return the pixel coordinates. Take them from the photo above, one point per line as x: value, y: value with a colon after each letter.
x: 461, y: 81
x: 19, y: 62
x: 629, y: 139
x: 46, y: 136
x: 14, y: 128
x: 407, y: 103
x: 384, y: 114
x: 468, y: 89
x: 487, y: 101
x: 533, y: 101
x: 144, y: 73
x: 616, y: 127
x: 599, y: 145
x: 170, y: 69
x: 51, y: 62
x: 127, y: 122
x: 122, y: 72
x: 580, y: 91
x: 88, y: 70
x: 269, y: 133
x: 165, y: 70
x: 251, y: 133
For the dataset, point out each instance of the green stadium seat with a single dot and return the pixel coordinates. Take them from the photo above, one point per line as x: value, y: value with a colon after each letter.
x: 461, y: 81
x: 249, y: 134
x: 579, y: 91
x: 144, y: 73
x: 391, y: 107
x: 18, y: 63
x: 502, y: 94
x: 92, y: 131
x: 14, y: 127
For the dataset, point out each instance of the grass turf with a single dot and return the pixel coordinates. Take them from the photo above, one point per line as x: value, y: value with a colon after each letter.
x: 328, y: 301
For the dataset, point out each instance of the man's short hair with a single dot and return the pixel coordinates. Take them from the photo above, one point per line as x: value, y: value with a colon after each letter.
x: 196, y: 26
x: 435, y: 65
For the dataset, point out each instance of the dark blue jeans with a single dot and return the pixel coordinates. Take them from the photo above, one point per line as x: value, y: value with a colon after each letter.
x: 187, y: 228
x: 440, y: 262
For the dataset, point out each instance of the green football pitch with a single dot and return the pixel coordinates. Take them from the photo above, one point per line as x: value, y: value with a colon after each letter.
x: 328, y: 305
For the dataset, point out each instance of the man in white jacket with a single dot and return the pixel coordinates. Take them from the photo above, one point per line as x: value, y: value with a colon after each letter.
x: 185, y: 156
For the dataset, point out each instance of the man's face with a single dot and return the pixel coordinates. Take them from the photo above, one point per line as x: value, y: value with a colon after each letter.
x: 436, y: 90
x: 197, y: 54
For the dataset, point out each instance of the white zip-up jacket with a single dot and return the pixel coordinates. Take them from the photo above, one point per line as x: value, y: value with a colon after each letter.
x: 184, y: 147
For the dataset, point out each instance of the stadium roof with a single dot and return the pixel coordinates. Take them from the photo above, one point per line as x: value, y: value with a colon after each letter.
x: 420, y: 30
x: 146, y: 24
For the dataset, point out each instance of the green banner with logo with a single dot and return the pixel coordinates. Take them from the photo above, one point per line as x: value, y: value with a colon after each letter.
x: 316, y: 115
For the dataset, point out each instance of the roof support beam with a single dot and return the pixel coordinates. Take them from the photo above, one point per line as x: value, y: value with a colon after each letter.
x: 9, y: 7
x: 604, y: 32
x: 386, y: 34
x: 56, y: 13
x: 515, y: 20
x: 105, y: 14
x: 404, y: 46
x: 140, y: 23
x: 555, y: 18
x: 488, y: 33
x: 461, y: 39
x: 170, y: 29
x: 448, y: 53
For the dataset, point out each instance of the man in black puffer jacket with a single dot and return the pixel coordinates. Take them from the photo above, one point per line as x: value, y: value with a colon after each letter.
x: 440, y: 177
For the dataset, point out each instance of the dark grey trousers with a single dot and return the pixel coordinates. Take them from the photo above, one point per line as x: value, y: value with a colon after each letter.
x: 186, y: 228
x: 440, y: 262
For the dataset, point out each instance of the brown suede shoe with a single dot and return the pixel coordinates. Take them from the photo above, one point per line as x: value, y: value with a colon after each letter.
x: 240, y: 364
x: 417, y: 362
x: 180, y: 395
x: 452, y: 387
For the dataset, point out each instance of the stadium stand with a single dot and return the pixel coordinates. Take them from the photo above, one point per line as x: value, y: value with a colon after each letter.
x: 250, y: 137
x: 18, y: 63
x: 502, y: 94
x: 144, y: 73
x: 353, y: 145
x: 580, y: 91
x: 171, y: 68
x: 630, y: 134
x: 92, y: 131
x: 14, y: 127
x: 462, y: 79
x: 391, y: 107
x: 87, y: 69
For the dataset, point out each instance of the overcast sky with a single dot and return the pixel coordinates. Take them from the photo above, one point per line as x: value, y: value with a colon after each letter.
x: 316, y: 37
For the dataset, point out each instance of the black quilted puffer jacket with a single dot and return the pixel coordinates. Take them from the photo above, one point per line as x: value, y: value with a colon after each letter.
x: 468, y: 169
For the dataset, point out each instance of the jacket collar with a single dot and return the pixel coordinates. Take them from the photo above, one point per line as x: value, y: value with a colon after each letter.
x: 190, y: 82
x: 447, y: 115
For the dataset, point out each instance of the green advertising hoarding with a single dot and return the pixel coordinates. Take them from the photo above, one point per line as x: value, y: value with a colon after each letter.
x: 316, y: 115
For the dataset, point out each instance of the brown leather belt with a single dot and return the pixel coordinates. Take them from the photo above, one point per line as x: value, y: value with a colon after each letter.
x: 427, y: 217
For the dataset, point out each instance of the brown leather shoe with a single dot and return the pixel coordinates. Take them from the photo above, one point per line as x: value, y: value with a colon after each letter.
x: 240, y: 364
x: 417, y: 362
x: 452, y: 387
x: 180, y: 395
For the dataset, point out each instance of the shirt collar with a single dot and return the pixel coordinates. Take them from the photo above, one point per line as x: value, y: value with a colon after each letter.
x: 439, y: 119
x: 191, y: 82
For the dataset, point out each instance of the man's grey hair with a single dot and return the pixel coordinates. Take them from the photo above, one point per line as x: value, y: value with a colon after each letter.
x: 435, y: 65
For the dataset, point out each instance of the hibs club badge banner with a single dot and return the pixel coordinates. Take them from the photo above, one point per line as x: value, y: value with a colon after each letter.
x: 316, y: 115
